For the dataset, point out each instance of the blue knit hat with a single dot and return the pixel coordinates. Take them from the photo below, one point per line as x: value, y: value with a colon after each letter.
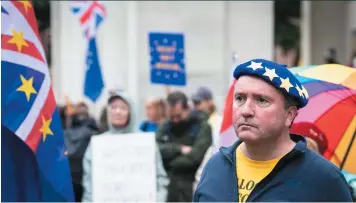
x: 277, y: 75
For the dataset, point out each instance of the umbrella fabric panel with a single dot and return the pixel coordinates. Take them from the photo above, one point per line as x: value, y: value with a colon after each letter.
x: 334, y: 123
x: 327, y: 73
x: 322, y: 102
x: 350, y: 81
x: 304, y: 80
x: 317, y: 87
x: 350, y: 164
x: 298, y: 69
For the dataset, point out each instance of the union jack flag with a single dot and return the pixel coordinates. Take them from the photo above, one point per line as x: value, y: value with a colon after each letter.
x: 91, y: 14
x: 30, y: 116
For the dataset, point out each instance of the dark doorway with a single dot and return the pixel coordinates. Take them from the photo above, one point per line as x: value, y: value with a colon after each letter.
x: 43, y: 15
x: 287, y: 32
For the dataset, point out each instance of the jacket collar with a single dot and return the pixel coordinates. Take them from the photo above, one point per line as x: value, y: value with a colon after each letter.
x: 228, y: 152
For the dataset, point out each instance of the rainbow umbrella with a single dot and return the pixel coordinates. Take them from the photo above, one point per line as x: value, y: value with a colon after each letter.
x: 330, y: 116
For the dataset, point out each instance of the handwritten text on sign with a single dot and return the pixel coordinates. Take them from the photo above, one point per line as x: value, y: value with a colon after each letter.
x: 124, y: 168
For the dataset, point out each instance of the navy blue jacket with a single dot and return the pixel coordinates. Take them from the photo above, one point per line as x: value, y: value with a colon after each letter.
x: 300, y: 176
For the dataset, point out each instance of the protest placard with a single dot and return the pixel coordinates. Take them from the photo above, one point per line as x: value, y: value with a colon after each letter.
x: 124, y: 168
x: 167, y: 58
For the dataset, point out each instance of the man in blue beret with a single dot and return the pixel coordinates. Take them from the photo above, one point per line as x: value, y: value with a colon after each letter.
x: 267, y: 163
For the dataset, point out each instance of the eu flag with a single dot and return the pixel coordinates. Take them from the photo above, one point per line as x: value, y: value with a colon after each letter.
x: 34, y: 165
x: 167, y: 62
x: 94, y: 83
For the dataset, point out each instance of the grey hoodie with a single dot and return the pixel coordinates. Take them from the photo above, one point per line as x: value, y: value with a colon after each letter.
x: 162, y: 179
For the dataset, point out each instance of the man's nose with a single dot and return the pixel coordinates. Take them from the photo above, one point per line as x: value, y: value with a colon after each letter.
x: 248, y: 109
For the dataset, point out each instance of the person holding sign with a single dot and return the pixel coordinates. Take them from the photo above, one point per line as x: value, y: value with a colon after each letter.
x: 183, y: 140
x: 268, y: 163
x: 120, y: 121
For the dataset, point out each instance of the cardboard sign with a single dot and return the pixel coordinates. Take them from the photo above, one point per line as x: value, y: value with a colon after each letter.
x: 124, y: 168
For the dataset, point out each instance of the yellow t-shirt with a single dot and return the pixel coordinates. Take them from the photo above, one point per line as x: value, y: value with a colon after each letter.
x: 250, y: 172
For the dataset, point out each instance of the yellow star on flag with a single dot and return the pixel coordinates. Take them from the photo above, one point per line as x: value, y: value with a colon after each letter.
x: 27, y: 87
x: 305, y: 92
x: 45, y: 129
x: 300, y: 91
x: 17, y: 38
x: 26, y: 4
x: 270, y: 73
x: 286, y: 84
x: 66, y: 152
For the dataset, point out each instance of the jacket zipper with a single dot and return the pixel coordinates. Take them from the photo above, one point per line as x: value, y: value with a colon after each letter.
x: 235, y: 187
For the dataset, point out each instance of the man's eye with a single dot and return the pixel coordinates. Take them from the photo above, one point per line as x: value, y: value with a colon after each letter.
x: 262, y: 100
x: 238, y: 98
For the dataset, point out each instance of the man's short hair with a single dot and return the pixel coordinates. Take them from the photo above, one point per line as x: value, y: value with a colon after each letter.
x: 290, y: 101
x: 177, y: 97
x: 82, y: 104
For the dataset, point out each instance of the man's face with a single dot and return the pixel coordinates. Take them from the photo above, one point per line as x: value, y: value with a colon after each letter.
x: 177, y: 113
x: 259, y: 110
x: 81, y: 112
x: 203, y: 105
x: 151, y: 111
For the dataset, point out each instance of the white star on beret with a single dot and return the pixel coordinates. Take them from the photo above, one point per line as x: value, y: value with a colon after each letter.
x: 270, y: 73
x: 300, y: 91
x: 305, y: 92
x: 286, y: 84
x: 255, y: 66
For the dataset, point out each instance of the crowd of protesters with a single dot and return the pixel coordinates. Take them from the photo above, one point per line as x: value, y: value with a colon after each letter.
x: 187, y: 132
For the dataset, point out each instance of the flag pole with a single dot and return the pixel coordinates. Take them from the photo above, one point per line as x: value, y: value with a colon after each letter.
x: 167, y: 89
x: 132, y: 51
x: 235, y: 58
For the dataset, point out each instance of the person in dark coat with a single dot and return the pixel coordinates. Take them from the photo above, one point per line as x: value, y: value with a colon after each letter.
x: 268, y: 163
x: 77, y: 138
x: 183, y: 141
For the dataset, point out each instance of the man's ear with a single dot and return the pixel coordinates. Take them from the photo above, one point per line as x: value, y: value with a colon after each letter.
x: 292, y: 113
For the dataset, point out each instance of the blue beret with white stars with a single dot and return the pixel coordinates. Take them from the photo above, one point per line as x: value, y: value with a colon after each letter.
x: 277, y: 75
